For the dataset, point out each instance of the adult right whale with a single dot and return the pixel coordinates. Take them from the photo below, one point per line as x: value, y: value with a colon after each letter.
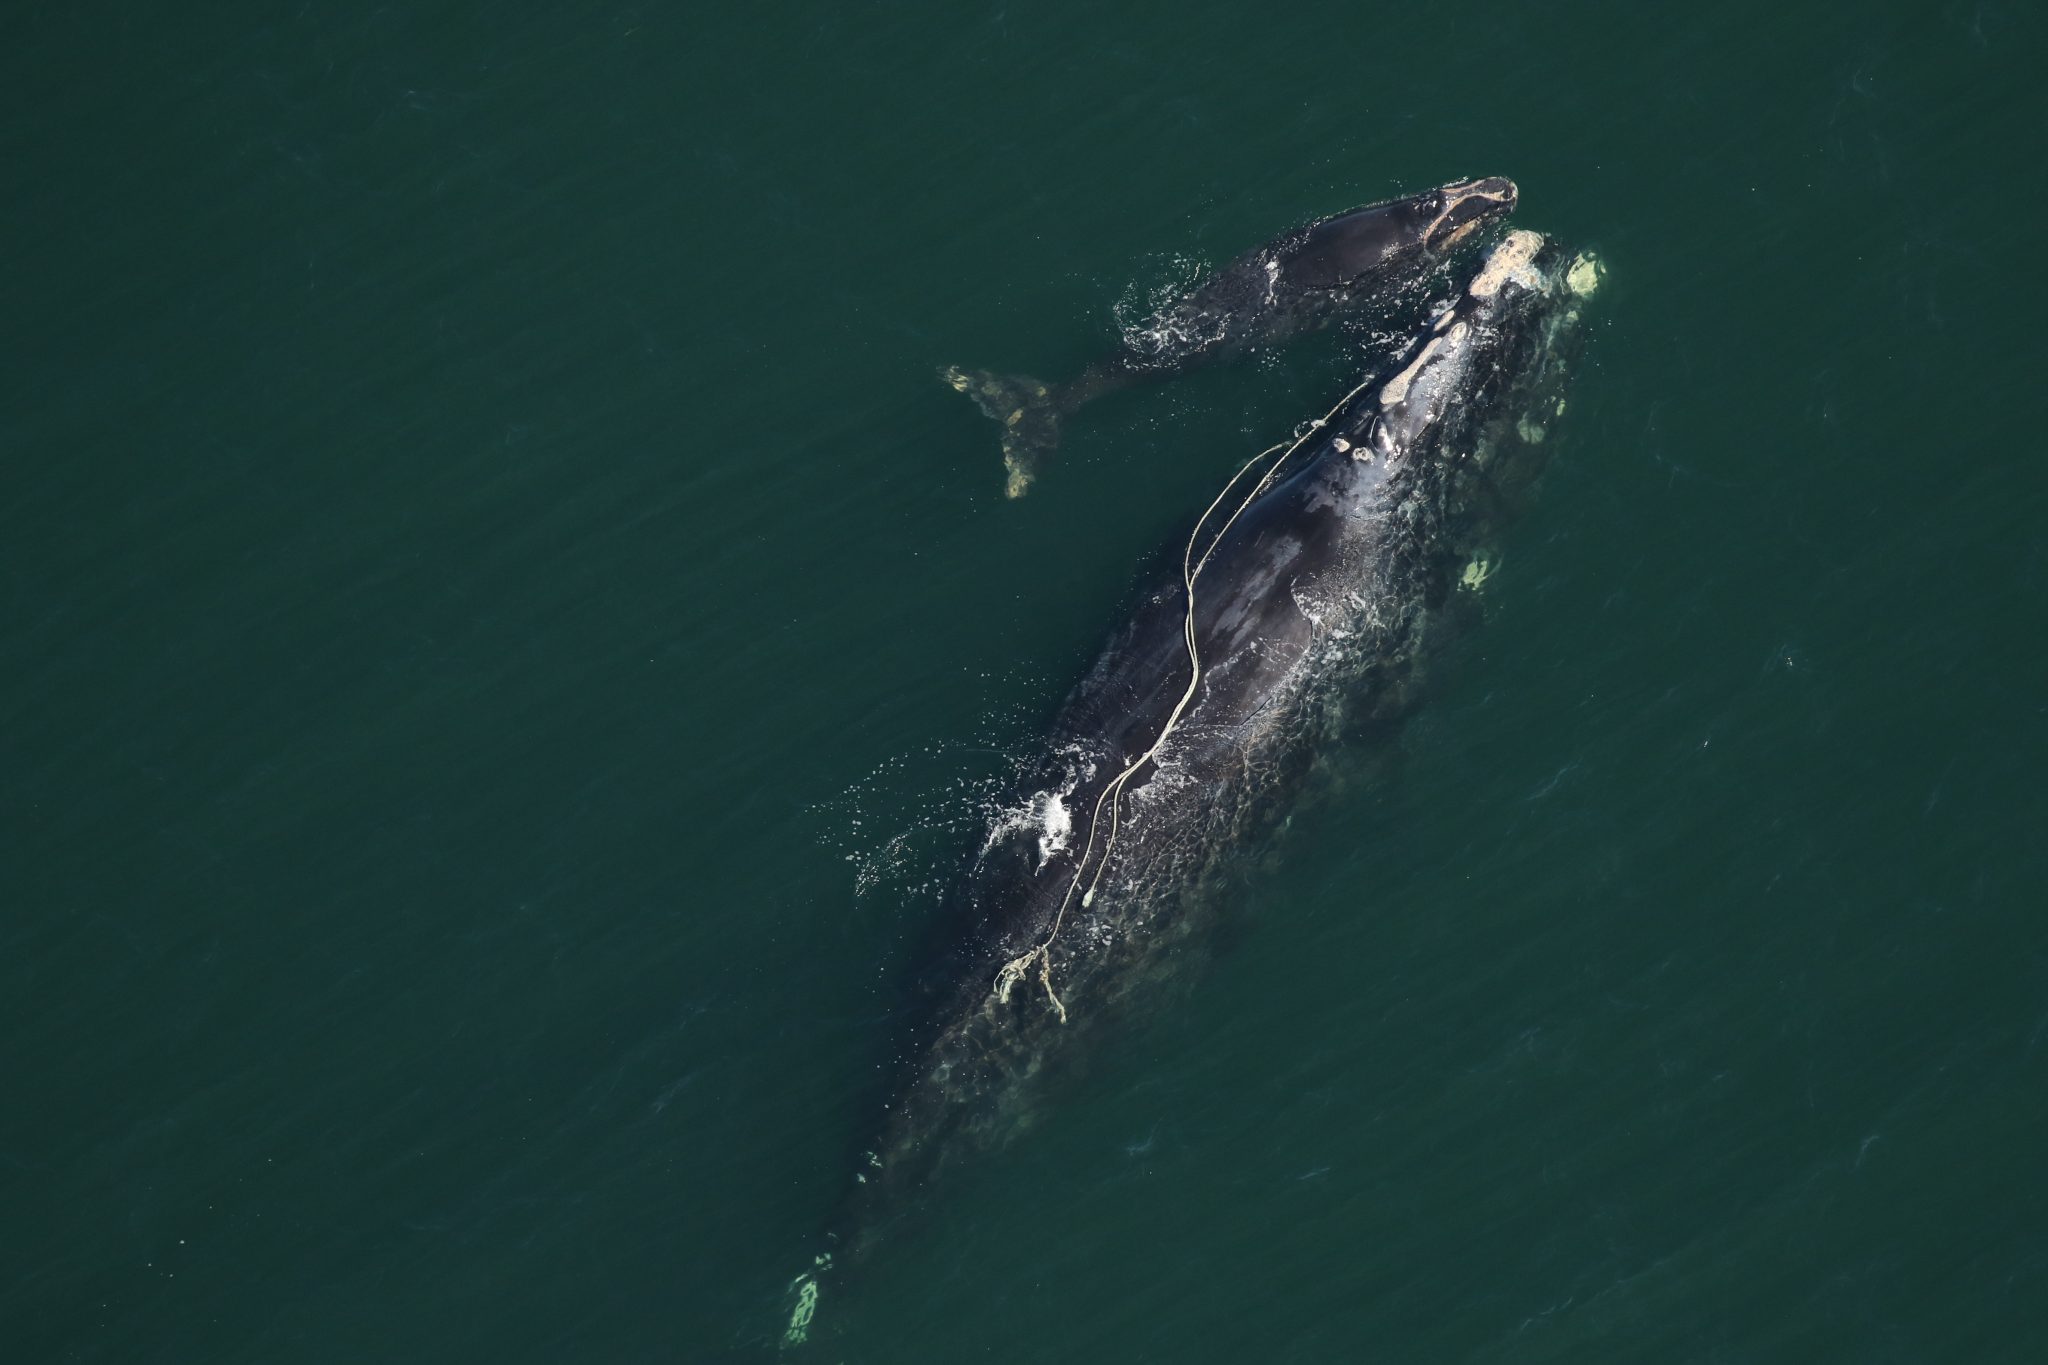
x: 1303, y: 602
x: 1303, y: 279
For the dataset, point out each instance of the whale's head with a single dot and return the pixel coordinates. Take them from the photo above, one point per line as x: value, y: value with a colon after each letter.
x: 1461, y: 208
x: 1398, y: 240
x: 1477, y: 392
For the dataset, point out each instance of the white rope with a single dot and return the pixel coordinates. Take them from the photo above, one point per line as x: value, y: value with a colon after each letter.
x: 1190, y: 569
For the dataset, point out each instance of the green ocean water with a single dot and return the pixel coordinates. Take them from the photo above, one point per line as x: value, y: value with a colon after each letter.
x: 504, y: 634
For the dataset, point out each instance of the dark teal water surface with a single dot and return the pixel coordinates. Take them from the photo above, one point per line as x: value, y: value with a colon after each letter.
x: 503, y: 632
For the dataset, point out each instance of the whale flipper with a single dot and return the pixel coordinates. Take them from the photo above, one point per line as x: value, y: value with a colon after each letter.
x: 1029, y: 411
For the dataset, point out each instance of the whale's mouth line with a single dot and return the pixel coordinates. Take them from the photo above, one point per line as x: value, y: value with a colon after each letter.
x: 1463, y: 194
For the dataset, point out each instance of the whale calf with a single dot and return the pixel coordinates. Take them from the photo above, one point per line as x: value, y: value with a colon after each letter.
x: 1301, y: 280
x: 1300, y: 603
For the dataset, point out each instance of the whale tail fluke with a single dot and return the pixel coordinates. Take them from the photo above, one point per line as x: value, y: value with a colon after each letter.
x: 802, y: 1299
x: 803, y: 1306
x: 1029, y: 412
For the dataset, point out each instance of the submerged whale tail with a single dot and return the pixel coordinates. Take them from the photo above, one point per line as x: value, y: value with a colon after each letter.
x: 803, y: 1305
x: 1028, y: 410
x: 801, y: 1296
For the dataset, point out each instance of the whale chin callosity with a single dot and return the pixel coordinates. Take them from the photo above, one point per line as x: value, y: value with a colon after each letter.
x: 1365, y: 262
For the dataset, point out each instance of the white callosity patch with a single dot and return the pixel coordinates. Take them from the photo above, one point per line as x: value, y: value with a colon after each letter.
x: 1445, y: 342
x: 1513, y: 261
x: 1585, y: 274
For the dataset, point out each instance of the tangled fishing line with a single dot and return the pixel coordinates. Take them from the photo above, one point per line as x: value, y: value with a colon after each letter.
x: 1191, y: 568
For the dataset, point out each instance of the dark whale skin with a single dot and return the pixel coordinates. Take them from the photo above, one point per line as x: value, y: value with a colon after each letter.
x: 1304, y: 279
x: 1314, y: 590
